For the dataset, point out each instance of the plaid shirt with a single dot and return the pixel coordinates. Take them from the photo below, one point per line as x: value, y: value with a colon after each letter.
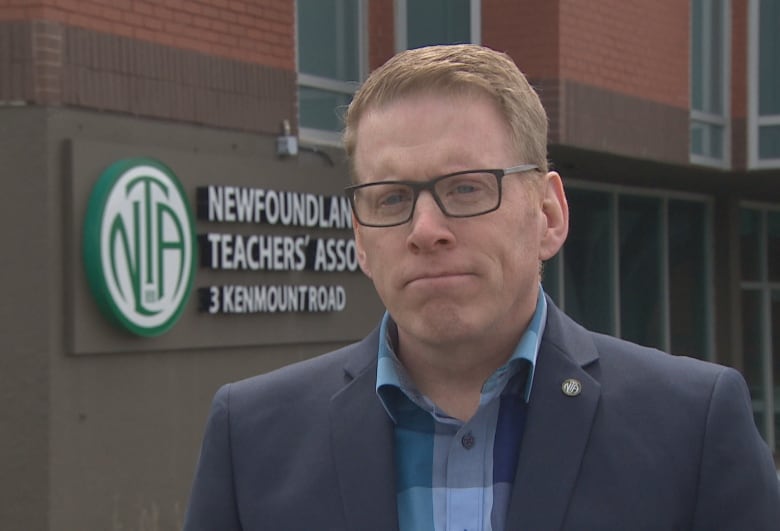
x: 451, y: 475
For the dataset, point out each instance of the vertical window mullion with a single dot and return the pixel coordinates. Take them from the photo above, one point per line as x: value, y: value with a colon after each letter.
x: 476, y: 21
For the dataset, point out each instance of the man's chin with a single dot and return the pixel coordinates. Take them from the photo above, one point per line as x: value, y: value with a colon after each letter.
x: 441, y: 323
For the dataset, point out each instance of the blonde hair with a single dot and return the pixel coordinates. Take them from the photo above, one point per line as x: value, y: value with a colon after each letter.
x: 454, y: 70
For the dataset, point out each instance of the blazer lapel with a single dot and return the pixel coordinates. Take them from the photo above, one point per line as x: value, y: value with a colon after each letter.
x: 363, y: 449
x: 557, y: 427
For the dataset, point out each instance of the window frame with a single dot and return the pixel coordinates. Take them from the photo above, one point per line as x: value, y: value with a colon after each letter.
x: 321, y: 136
x: 709, y: 119
x: 615, y: 191
x: 755, y: 120
x: 765, y: 287
x: 400, y: 19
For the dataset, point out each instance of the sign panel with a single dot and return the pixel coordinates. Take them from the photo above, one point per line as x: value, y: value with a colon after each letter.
x: 138, y: 246
x: 264, y: 258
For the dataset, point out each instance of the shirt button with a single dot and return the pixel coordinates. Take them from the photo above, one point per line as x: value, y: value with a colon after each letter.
x: 467, y: 441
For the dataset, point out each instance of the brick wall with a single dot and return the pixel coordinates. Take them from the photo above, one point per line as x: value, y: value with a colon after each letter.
x: 528, y: 32
x: 633, y: 47
x: 221, y: 63
x: 252, y: 31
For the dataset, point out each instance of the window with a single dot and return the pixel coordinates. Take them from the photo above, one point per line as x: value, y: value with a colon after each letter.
x: 638, y: 265
x: 436, y: 22
x: 760, y: 275
x: 764, y: 84
x: 709, y: 135
x: 331, y: 64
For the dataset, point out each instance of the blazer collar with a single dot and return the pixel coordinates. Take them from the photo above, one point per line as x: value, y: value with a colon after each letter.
x: 363, y: 445
x: 557, y: 426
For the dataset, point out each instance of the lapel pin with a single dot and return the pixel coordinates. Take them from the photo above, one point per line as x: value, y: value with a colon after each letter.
x: 571, y: 387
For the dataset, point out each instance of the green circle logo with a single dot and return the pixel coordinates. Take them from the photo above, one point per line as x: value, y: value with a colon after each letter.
x: 139, y: 246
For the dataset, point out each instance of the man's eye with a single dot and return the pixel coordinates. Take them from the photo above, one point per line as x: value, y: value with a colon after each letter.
x: 465, y: 188
x: 394, y: 198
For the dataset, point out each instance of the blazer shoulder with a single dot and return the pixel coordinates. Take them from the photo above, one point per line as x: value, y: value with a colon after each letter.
x: 313, y: 379
x: 634, y: 368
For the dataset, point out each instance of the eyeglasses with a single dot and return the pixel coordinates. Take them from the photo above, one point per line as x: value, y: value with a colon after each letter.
x: 461, y: 194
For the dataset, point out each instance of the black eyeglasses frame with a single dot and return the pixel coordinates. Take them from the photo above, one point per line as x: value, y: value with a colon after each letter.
x: 420, y: 186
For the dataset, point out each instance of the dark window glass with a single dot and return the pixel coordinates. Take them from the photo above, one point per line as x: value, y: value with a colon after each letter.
x: 588, y: 260
x: 768, y: 53
x: 769, y: 141
x: 775, y: 333
x: 707, y: 140
x: 328, y: 39
x: 707, y: 56
x: 773, y: 245
x: 437, y: 22
x: 752, y: 347
x: 750, y: 244
x: 640, y: 270
x: 322, y: 109
x: 688, y: 278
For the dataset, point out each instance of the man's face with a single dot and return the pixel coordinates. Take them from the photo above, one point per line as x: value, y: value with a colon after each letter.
x: 454, y: 280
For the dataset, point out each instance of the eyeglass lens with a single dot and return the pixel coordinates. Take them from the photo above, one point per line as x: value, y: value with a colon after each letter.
x: 466, y: 194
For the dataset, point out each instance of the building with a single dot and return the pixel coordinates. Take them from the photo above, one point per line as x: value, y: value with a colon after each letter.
x: 665, y: 123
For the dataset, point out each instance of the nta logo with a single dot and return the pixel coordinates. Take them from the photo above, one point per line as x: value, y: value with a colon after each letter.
x: 139, y: 246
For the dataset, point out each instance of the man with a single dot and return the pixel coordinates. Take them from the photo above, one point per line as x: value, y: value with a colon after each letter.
x: 476, y: 404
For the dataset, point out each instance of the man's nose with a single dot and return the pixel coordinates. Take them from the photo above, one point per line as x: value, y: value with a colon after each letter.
x: 429, y: 224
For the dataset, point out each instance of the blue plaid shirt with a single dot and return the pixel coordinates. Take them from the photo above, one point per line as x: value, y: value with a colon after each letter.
x: 453, y: 475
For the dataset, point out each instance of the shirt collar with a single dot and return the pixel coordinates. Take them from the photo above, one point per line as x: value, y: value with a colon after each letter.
x: 391, y: 375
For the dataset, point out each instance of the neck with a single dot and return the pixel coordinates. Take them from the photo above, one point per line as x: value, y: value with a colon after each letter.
x: 452, y: 376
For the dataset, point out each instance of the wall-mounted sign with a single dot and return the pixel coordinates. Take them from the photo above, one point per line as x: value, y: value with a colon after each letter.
x: 139, y: 245
x: 261, y: 252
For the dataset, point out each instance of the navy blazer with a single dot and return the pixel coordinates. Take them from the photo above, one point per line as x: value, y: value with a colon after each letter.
x: 652, y: 442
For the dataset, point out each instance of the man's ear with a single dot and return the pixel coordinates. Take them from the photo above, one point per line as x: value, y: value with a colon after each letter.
x: 361, y: 251
x: 555, y: 210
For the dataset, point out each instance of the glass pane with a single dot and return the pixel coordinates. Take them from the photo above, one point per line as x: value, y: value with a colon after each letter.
x: 768, y: 53
x: 752, y: 352
x: 773, y: 245
x: 769, y: 141
x: 640, y: 270
x: 775, y: 320
x: 716, y: 58
x: 707, y: 140
x: 437, y: 22
x: 697, y: 57
x: 688, y: 278
x: 322, y: 109
x: 328, y: 39
x: 697, y: 138
x: 588, y: 260
x: 707, y: 56
x: 750, y: 244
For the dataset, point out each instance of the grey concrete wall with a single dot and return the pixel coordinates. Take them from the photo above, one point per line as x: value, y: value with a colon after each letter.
x: 101, y: 428
x: 29, y: 292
